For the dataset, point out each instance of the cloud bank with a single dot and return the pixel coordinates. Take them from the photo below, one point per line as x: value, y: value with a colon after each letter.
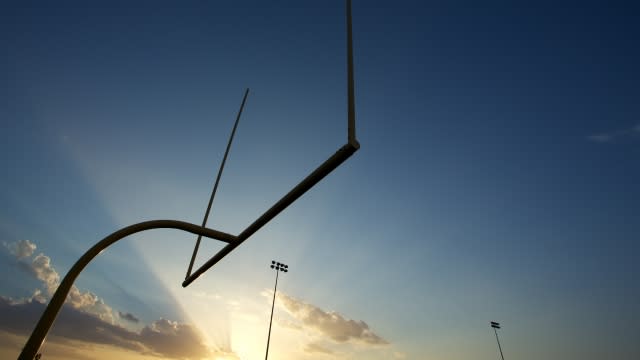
x: 329, y: 323
x: 162, y: 338
x: 85, y: 317
x: 41, y: 268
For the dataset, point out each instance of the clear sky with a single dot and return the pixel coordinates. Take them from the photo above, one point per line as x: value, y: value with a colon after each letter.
x: 497, y: 179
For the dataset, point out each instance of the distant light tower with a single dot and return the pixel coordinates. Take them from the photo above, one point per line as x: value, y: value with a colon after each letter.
x: 278, y: 267
x: 495, y: 326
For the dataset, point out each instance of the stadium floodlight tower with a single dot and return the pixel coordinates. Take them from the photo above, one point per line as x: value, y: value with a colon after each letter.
x: 278, y: 266
x: 33, y: 344
x: 495, y: 326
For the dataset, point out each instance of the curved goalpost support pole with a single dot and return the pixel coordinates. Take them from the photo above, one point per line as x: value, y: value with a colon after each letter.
x: 39, y: 333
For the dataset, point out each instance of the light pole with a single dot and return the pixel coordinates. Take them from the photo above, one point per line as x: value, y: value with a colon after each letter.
x: 496, y: 326
x: 278, y: 267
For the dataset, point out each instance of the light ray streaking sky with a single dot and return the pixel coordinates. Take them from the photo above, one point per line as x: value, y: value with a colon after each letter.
x: 497, y: 179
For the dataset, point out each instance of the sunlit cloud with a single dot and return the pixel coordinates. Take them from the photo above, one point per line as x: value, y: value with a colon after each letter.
x: 289, y: 324
x: 173, y: 339
x: 21, y: 249
x: 87, y: 318
x: 37, y: 296
x: 162, y: 338
x: 41, y: 268
x: 330, y: 324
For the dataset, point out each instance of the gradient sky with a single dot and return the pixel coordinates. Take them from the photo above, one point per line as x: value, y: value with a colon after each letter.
x: 497, y: 179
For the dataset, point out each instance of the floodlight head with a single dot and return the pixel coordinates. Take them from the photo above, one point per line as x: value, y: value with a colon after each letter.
x: 272, y: 266
x: 273, y: 262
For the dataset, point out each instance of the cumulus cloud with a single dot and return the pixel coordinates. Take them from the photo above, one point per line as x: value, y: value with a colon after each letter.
x: 329, y: 323
x: 21, y: 249
x: 173, y: 339
x: 612, y: 136
x: 42, y: 269
x: 38, y: 297
x: 90, y: 303
x: 86, y: 317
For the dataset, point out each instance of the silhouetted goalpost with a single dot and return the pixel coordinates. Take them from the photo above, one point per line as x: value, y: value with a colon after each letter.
x: 307, y: 183
x: 33, y: 344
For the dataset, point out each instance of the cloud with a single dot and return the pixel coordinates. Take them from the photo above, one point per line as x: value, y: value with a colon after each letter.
x: 163, y: 338
x: 86, y: 317
x: 612, y: 136
x: 38, y: 296
x: 317, y: 348
x: 289, y: 324
x: 173, y: 339
x: 21, y: 249
x: 128, y: 316
x: 40, y: 267
x: 329, y: 323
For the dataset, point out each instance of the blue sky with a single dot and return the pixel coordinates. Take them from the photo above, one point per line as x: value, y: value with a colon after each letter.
x: 497, y: 178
